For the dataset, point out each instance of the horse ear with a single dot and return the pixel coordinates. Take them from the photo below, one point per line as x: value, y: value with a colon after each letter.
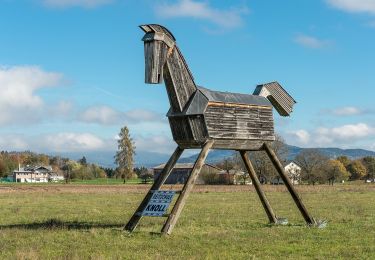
x: 277, y: 95
x: 146, y: 28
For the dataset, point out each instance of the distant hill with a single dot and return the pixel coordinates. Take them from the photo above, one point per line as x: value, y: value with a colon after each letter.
x: 333, y: 152
x: 106, y: 159
x: 150, y: 159
x: 218, y: 155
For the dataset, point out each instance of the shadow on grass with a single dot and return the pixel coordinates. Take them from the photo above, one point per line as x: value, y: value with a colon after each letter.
x: 58, y: 224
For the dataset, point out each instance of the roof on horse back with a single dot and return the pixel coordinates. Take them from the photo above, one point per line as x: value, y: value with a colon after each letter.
x: 198, y: 103
x: 235, y: 98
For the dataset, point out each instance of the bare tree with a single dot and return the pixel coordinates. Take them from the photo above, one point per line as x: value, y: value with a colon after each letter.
x: 312, y: 163
x: 263, y: 164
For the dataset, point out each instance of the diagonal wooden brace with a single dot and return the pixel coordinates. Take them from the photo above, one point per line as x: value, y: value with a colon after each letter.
x: 263, y: 199
x: 134, y: 220
x: 180, y: 203
x: 308, y: 218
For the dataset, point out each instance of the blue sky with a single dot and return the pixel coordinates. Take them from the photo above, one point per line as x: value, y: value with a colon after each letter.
x: 72, y: 71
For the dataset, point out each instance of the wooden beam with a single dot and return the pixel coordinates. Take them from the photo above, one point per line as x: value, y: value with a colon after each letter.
x: 262, y: 196
x: 134, y: 220
x: 308, y: 218
x: 180, y: 203
x: 222, y: 104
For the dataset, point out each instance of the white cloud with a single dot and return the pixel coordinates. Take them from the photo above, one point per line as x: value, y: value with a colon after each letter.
x: 62, y: 108
x: 142, y: 115
x: 202, y: 10
x: 56, y: 142
x: 64, y: 142
x: 108, y: 116
x: 81, y: 142
x: 19, y: 101
x: 101, y: 115
x: 341, y: 136
x: 301, y: 136
x: 13, y: 143
x: 156, y: 143
x: 311, y: 42
x: 347, y: 111
x: 355, y: 6
x: 76, y: 3
x: 348, y: 132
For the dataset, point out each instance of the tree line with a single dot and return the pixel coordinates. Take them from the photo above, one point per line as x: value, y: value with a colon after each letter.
x: 316, y: 167
x: 71, y: 169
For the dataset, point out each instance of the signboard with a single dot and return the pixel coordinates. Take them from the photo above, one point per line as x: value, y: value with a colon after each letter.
x: 159, y: 203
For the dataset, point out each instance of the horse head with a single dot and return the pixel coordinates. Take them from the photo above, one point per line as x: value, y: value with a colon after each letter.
x: 158, y: 42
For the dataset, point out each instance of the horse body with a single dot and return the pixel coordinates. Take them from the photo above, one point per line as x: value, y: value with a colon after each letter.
x: 232, y: 120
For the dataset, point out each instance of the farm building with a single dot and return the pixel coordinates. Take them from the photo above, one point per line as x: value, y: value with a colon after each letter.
x: 35, y: 174
x: 293, y: 170
x: 210, y: 174
x: 181, y: 172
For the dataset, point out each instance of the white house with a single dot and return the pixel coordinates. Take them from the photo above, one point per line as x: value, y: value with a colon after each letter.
x: 55, y: 177
x: 35, y: 174
x: 293, y: 170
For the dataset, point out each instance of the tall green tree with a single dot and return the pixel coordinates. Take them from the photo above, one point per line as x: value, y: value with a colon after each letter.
x: 124, y: 157
x: 83, y: 160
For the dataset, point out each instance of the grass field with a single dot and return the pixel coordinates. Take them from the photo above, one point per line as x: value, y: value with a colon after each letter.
x: 227, y: 222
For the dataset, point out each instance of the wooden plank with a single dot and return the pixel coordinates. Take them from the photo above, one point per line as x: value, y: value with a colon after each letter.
x: 280, y: 169
x: 179, y: 82
x: 262, y: 196
x: 226, y: 144
x: 134, y: 220
x: 232, y: 122
x: 221, y: 104
x: 180, y: 203
x: 198, y: 128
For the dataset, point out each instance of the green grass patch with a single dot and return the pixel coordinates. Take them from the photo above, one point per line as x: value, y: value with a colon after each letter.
x: 106, y: 181
x: 97, y: 181
x: 214, y: 225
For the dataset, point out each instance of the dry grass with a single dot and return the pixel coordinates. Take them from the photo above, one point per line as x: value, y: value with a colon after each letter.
x: 143, y: 188
x: 218, y: 222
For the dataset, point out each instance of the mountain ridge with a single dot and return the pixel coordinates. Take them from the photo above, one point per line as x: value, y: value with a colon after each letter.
x: 151, y: 159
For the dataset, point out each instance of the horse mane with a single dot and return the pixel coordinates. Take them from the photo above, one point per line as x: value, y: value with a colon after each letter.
x: 184, y: 61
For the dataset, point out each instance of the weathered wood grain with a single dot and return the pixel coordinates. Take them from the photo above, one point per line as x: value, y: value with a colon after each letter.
x: 280, y: 169
x: 179, y: 81
x: 239, y: 122
x: 134, y: 220
x: 180, y: 203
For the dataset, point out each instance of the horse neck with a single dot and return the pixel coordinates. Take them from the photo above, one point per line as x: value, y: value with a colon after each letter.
x: 179, y: 81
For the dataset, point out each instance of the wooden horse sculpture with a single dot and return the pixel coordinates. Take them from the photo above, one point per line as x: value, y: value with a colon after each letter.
x: 206, y: 119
